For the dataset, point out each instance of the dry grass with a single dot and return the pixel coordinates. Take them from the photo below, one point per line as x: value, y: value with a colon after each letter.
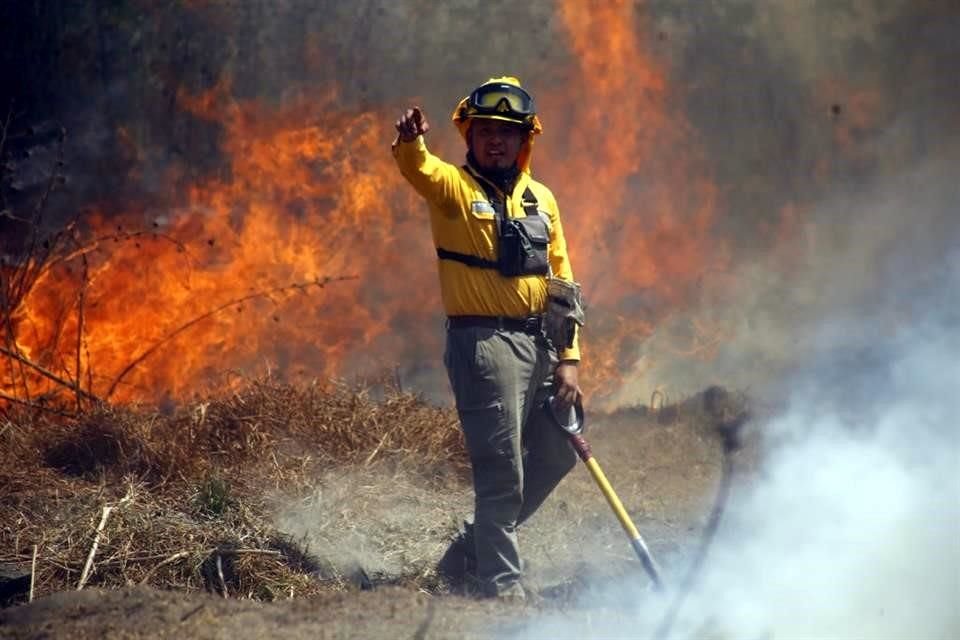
x: 188, y: 490
x: 174, y: 501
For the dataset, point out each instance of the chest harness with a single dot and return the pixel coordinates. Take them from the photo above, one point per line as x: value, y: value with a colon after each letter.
x: 522, y: 243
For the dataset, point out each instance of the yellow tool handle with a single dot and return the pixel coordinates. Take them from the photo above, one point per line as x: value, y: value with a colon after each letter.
x: 639, y: 546
x: 612, y: 498
x: 636, y: 541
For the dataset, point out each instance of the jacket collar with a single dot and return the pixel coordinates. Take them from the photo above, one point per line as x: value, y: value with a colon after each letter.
x: 506, y: 182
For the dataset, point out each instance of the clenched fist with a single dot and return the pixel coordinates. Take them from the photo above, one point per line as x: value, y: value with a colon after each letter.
x: 412, y: 124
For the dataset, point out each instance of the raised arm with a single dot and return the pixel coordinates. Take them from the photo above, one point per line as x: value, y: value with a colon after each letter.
x: 431, y: 177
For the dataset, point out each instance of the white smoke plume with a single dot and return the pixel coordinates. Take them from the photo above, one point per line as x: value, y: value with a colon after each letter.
x: 850, y: 276
x: 364, y: 517
x: 851, y: 528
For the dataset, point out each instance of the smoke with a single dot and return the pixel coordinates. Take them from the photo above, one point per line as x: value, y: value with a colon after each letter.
x: 851, y: 526
x: 834, y: 143
x: 848, y: 281
x: 853, y: 532
x: 364, y: 518
x: 850, y: 320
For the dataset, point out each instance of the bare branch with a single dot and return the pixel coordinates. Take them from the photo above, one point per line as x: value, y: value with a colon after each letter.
x: 94, y: 244
x: 5, y: 128
x: 33, y: 573
x: 81, y: 298
x: 93, y: 548
x: 34, y: 405
x: 47, y: 374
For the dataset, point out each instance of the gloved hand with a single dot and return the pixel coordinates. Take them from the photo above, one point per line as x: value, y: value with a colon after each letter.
x: 411, y: 124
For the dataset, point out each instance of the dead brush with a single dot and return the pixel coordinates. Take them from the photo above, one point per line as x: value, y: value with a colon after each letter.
x: 116, y: 495
x: 195, y: 484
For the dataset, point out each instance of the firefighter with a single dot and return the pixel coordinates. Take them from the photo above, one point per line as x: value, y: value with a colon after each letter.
x: 503, y: 267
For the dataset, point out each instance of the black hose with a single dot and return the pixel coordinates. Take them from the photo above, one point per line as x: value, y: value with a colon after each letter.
x: 731, y: 442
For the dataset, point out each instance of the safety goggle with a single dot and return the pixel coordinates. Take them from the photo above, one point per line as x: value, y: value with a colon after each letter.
x: 501, y: 98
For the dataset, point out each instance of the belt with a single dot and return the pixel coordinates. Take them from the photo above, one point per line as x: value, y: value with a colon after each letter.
x: 531, y: 325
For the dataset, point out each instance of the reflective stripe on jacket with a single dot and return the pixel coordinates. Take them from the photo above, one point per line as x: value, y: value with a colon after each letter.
x: 462, y: 221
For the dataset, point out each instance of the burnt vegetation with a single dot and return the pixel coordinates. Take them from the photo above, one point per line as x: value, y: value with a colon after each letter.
x: 97, y: 493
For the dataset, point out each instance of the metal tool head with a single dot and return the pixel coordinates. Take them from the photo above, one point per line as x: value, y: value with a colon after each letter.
x: 570, y: 421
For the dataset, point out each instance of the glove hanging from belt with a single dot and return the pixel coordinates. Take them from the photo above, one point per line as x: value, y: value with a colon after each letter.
x: 564, y: 312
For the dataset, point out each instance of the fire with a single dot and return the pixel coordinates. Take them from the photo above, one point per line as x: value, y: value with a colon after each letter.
x: 630, y: 185
x: 304, y: 200
x: 235, y: 277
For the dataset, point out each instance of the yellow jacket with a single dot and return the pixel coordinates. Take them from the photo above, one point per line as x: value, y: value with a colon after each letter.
x: 461, y: 222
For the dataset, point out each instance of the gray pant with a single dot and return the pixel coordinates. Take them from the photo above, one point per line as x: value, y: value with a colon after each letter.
x: 500, y: 379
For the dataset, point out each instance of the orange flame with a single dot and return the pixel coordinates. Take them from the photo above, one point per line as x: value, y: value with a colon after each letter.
x: 304, y: 200
x: 631, y: 186
x: 305, y: 196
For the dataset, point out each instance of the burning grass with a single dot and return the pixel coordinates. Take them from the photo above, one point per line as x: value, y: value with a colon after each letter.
x: 114, y: 495
x: 183, y: 501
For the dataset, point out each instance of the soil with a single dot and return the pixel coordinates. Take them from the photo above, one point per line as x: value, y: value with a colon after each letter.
x: 664, y: 471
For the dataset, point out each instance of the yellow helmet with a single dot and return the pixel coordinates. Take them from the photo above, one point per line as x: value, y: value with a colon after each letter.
x: 500, y: 99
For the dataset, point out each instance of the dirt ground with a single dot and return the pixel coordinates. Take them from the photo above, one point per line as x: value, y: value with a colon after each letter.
x: 665, y: 472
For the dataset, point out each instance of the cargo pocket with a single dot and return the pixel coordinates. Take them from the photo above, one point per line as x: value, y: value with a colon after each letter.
x: 476, y: 381
x: 489, y: 441
x: 495, y: 463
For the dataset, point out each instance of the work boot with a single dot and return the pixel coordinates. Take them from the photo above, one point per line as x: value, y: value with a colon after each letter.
x: 512, y: 593
x: 459, y: 560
